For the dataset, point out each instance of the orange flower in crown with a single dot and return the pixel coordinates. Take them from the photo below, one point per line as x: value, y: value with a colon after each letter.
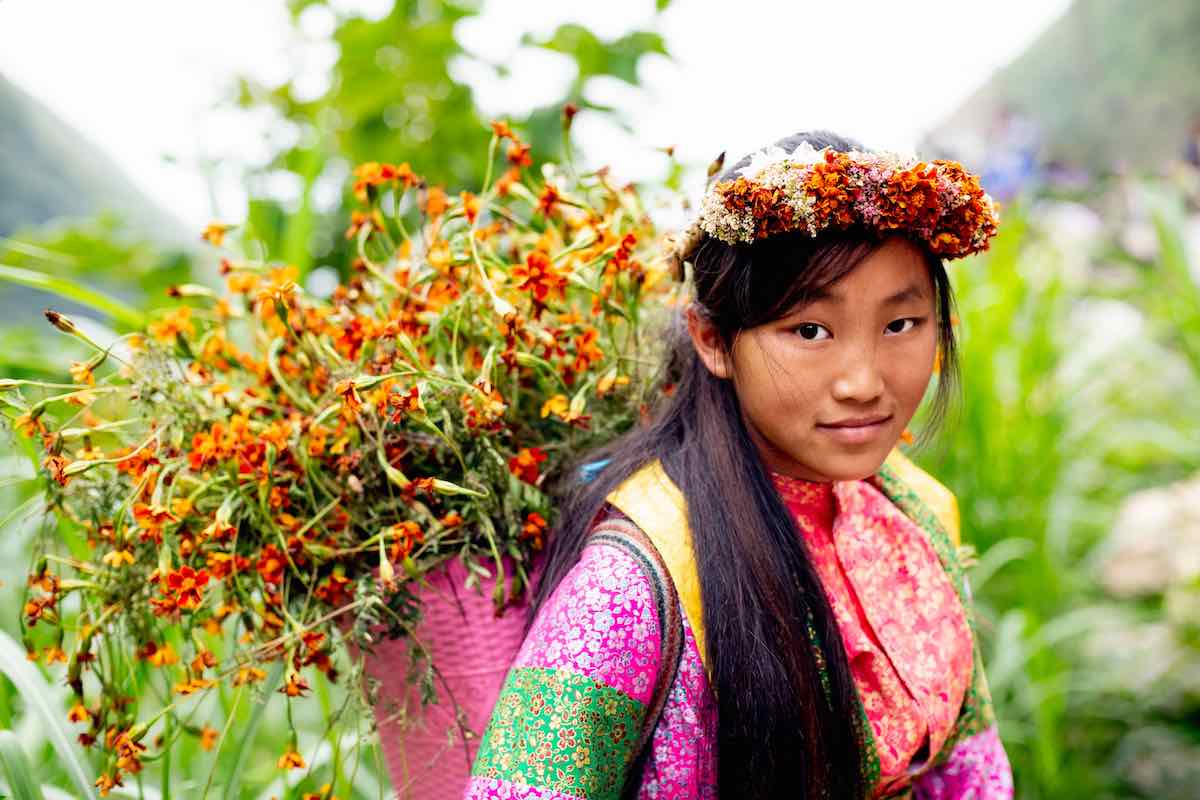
x: 937, y: 202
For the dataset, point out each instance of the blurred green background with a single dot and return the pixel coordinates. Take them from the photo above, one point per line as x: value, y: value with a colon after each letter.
x: 1075, y: 454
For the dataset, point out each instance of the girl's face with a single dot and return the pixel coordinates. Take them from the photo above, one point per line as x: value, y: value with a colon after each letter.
x: 827, y: 389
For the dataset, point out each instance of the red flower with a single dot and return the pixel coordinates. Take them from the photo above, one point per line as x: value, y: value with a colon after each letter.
x: 538, y: 275
x: 186, y: 585
x: 525, y: 463
x: 534, y: 530
x: 548, y: 198
x: 270, y: 564
x: 518, y: 155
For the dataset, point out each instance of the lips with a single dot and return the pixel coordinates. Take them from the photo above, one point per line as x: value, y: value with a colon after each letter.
x: 860, y: 422
x: 859, y: 430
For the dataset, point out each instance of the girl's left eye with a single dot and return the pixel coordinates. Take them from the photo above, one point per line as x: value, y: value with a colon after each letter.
x: 902, y: 325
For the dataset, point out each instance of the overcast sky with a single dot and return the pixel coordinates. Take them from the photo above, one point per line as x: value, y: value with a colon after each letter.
x: 141, y: 78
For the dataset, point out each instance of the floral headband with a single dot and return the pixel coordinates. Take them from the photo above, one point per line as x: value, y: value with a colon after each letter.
x: 938, y: 203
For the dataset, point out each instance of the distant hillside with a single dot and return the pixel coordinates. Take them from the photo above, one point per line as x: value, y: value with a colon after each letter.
x: 49, y: 170
x: 1110, y: 81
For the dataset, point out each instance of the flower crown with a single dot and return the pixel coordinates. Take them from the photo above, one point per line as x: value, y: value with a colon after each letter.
x: 938, y: 203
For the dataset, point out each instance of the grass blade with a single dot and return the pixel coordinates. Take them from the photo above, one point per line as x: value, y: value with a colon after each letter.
x: 17, y: 771
x: 73, y: 291
x: 36, y: 694
x: 233, y: 789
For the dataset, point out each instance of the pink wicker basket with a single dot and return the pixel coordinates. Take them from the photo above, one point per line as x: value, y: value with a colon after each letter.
x: 427, y: 755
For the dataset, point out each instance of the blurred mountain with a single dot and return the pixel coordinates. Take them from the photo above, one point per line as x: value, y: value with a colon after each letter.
x: 1110, y: 82
x: 50, y: 170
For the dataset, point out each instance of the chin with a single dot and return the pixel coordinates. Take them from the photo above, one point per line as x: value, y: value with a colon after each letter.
x: 854, y: 467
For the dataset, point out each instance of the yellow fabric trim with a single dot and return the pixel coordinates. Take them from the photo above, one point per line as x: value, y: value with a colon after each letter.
x: 656, y: 505
x: 652, y: 500
x: 941, y: 501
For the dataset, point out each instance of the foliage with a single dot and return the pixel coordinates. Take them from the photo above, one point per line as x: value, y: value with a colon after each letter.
x: 262, y: 463
x: 391, y: 96
x: 1060, y: 420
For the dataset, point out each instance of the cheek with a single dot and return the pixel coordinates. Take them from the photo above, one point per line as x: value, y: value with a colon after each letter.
x: 777, y: 386
x: 911, y: 367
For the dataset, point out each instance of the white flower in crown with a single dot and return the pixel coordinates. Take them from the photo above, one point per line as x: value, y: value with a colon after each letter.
x: 803, y: 154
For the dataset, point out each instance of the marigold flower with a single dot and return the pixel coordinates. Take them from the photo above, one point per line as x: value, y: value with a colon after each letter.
x: 242, y: 282
x: 518, y: 155
x: 565, y: 410
x: 81, y: 372
x: 608, y: 381
x: 114, y: 558
x: 214, y: 233
x: 128, y: 750
x: 525, y: 463
x: 78, y: 713
x: 203, y: 660
x: 435, y: 202
x: 539, y: 276
x: 556, y: 405
x: 106, y: 783
x: 504, y: 182
x: 208, y: 738
x: 500, y: 128
x: 163, y: 656
x: 218, y: 530
x: 470, y: 206
x: 296, y: 686
x: 271, y: 563
x: 193, y: 685
x: 54, y: 654
x: 29, y: 424
x: 290, y: 760
x: 172, y: 324
x: 185, y: 586
x: 249, y: 675
x: 405, y: 537
x: 334, y: 590
x: 534, y: 530
x: 57, y: 466
x: 548, y: 198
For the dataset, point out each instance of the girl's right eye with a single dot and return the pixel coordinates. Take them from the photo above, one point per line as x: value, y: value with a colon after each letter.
x: 813, y: 332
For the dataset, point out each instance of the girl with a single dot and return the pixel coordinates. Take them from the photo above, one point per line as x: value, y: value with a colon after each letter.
x: 754, y: 595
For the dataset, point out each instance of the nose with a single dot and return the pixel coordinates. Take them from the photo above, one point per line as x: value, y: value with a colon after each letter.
x: 859, y: 380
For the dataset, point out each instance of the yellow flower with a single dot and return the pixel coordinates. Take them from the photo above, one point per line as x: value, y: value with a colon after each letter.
x: 81, y: 372
x: 249, y: 675
x: 115, y: 558
x: 163, y: 656
x: 556, y: 405
x: 290, y: 760
x: 52, y: 654
x: 194, y: 685
x: 172, y: 324
x: 214, y: 233
x: 78, y: 714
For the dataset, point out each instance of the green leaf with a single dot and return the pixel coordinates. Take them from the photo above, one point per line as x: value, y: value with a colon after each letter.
x: 17, y: 771
x: 37, y: 695
x: 73, y: 291
x: 661, y: 5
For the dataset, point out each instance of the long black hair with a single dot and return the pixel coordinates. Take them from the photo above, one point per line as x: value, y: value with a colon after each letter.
x: 783, y: 731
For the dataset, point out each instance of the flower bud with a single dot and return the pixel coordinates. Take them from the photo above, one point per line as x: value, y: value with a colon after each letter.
x: 59, y: 321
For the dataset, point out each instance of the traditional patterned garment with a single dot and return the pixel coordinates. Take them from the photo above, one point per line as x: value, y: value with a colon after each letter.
x: 571, y: 711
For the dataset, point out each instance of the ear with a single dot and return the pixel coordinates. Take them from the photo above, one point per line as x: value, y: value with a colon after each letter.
x: 707, y: 342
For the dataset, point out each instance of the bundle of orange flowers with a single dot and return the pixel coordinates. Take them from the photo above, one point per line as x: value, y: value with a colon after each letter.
x: 263, y: 476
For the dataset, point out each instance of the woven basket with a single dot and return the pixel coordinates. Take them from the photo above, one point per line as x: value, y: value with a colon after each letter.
x: 428, y: 756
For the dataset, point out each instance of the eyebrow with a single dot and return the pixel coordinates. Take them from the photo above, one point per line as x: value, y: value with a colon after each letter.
x: 911, y: 292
